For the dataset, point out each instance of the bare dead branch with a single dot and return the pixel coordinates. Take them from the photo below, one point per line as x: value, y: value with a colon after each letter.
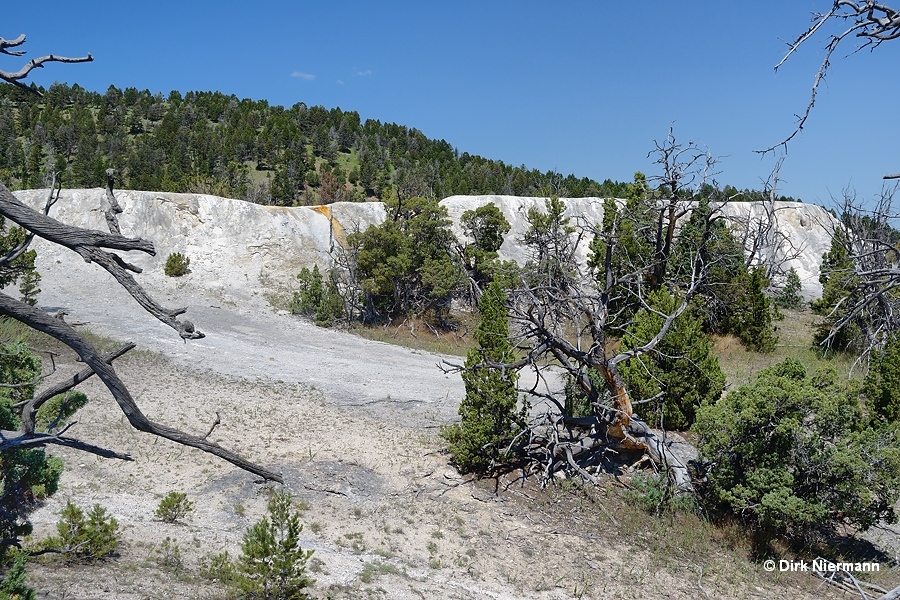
x: 894, y: 594
x: 868, y: 301
x: 111, y: 206
x: 212, y: 428
x: 37, y: 319
x: 16, y: 77
x: 73, y: 238
x: 18, y: 251
x: 90, y: 245
x: 869, y: 21
x: 6, y: 44
x: 30, y: 407
x: 16, y: 439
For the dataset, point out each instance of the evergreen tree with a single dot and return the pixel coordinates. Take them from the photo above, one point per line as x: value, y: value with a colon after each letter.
x: 318, y: 298
x: 882, y: 384
x: 306, y: 302
x: 550, y: 242
x: 489, y: 419
x: 752, y: 316
x: 725, y: 284
x: 406, y: 264
x: 839, y: 283
x: 487, y: 226
x: 682, y: 366
x: 331, y: 306
x: 789, y: 295
x: 187, y: 135
x: 272, y: 565
x: 13, y: 586
x: 26, y: 475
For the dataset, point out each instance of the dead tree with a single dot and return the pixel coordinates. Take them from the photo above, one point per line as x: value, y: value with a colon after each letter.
x: 764, y: 245
x: 868, y: 276
x: 94, y: 247
x: 684, y: 168
x: 869, y: 21
x: 566, y: 317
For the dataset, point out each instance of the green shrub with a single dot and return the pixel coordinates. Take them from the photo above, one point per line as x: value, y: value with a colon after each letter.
x: 88, y: 539
x: 55, y: 411
x: 272, y: 565
x: 318, y: 298
x: 882, y: 385
x: 177, y: 265
x: 168, y: 555
x: 173, y: 507
x: 218, y: 568
x: 13, y: 585
x: 655, y: 494
x: 793, y: 455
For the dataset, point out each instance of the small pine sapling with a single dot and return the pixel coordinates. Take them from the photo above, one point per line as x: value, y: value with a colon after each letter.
x: 88, y: 538
x: 174, y: 507
x: 272, y: 565
x: 177, y: 264
x: 789, y: 295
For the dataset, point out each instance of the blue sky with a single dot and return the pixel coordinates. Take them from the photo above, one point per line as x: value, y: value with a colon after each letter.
x: 578, y: 87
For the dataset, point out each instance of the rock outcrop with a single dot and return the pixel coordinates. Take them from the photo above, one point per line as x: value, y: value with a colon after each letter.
x: 235, y: 246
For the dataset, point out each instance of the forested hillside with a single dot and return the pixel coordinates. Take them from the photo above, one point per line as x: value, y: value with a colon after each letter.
x: 208, y: 142
x: 212, y: 143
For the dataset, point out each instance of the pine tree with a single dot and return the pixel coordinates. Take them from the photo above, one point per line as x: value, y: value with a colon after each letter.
x: 839, y: 282
x: 272, y: 565
x: 789, y: 295
x: 487, y: 226
x: 13, y: 586
x: 489, y: 419
x: 307, y: 300
x: 26, y: 475
x: 28, y: 284
x: 752, y: 315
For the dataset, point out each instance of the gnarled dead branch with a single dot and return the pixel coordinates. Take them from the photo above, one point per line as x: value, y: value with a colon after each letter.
x: 17, y: 77
x: 91, y: 245
x: 100, y: 365
x: 870, y: 21
x: 96, y: 247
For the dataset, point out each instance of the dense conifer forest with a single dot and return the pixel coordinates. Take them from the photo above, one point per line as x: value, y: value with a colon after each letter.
x: 209, y: 142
